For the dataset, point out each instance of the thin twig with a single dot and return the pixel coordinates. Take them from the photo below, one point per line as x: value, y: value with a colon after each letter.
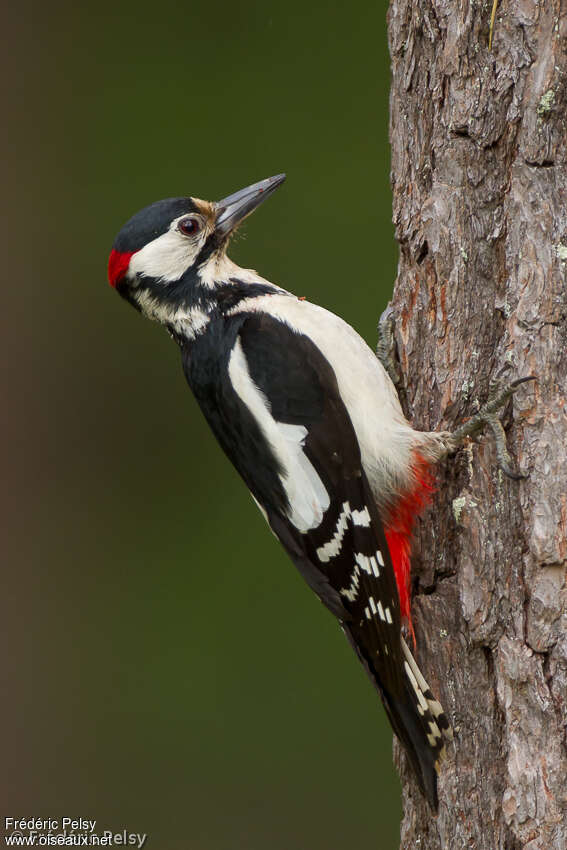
x: 492, y: 19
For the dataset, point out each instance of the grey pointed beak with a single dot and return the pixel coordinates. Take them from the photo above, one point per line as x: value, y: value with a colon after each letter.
x: 234, y: 208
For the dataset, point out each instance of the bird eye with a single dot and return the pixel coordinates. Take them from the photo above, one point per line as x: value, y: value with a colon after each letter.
x: 189, y: 226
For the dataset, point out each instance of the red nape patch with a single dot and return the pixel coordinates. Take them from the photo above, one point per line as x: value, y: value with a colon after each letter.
x: 118, y: 266
x: 399, y: 530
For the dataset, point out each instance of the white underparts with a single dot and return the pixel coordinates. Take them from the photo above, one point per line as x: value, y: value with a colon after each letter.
x: 307, y: 497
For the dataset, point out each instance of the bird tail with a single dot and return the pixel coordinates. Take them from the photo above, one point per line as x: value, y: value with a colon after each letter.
x: 417, y: 718
x: 425, y: 726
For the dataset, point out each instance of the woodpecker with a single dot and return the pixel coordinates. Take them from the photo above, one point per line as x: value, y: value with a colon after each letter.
x: 311, y: 420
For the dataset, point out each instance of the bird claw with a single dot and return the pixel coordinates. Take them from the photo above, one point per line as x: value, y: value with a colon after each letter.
x: 487, y: 415
x: 448, y: 442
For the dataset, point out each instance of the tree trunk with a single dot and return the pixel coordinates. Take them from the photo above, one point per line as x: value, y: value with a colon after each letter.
x: 480, y: 207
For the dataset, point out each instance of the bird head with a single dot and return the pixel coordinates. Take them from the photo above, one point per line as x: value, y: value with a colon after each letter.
x: 167, y: 254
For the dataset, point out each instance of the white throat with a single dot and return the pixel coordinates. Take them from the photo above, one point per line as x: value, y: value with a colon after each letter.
x: 186, y: 321
x: 220, y: 269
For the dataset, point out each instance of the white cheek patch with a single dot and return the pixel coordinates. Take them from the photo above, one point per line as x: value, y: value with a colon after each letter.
x: 166, y: 258
x: 306, y: 494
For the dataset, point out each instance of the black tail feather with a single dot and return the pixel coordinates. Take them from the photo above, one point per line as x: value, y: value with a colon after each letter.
x: 416, y: 717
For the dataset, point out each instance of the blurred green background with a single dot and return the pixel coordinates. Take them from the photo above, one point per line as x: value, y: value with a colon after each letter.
x: 166, y: 669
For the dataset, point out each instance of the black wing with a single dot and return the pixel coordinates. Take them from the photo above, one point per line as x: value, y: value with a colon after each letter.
x: 343, y: 555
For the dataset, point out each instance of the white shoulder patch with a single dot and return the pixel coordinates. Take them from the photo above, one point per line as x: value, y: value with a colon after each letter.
x: 307, y: 496
x: 385, y: 438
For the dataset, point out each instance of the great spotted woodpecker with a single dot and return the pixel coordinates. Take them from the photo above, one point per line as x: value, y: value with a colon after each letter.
x: 312, y: 422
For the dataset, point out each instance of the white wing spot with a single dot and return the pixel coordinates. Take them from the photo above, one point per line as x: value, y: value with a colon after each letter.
x: 352, y: 592
x: 380, y: 558
x: 381, y: 612
x: 363, y: 562
x: 388, y: 615
x: 361, y: 518
x: 333, y: 547
x: 374, y: 566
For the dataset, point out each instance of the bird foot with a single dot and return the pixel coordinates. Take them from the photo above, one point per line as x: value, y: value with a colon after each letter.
x: 487, y: 415
x: 439, y: 444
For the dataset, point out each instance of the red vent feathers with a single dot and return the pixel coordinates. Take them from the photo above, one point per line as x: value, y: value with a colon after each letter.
x: 399, y: 530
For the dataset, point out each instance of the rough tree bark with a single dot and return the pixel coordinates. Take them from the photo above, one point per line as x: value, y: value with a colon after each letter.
x: 480, y: 208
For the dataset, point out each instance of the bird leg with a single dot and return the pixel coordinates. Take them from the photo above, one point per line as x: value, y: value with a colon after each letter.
x: 439, y: 444
x: 487, y: 415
